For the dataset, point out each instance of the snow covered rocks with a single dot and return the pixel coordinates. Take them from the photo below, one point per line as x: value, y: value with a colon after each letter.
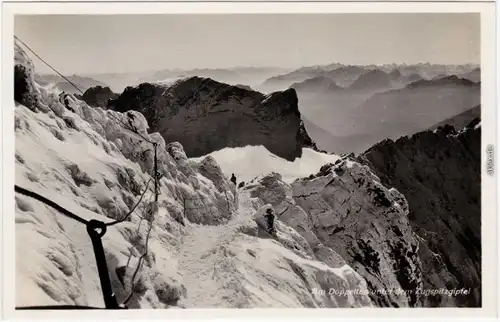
x: 347, y: 216
x: 25, y: 91
x: 101, y: 170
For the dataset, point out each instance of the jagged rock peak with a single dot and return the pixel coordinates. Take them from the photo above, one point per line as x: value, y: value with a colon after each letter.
x: 98, y: 96
x: 205, y: 116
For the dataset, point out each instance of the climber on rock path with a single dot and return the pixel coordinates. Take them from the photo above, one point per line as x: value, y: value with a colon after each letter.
x: 270, y: 221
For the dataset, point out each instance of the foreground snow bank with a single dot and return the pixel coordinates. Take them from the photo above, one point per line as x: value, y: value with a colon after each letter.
x: 89, y: 161
x: 253, y: 161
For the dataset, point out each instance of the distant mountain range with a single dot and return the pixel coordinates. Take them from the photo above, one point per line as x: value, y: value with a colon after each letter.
x: 379, y: 103
x: 83, y: 83
x: 317, y: 84
x: 249, y: 76
x: 348, y: 107
x: 345, y: 75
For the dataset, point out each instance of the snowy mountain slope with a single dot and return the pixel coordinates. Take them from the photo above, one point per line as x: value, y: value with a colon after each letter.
x: 228, y: 266
x: 174, y: 264
x: 345, y: 214
x: 90, y: 162
x: 253, y: 161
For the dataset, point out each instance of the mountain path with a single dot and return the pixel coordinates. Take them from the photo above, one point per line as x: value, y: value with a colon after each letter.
x: 204, y: 260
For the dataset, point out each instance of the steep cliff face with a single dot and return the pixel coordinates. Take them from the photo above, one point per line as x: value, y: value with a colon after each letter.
x: 439, y: 173
x: 205, y: 116
x: 345, y: 213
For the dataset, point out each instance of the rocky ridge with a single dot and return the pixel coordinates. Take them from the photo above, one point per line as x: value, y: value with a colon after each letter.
x: 439, y: 173
x: 346, y: 209
x: 205, y: 116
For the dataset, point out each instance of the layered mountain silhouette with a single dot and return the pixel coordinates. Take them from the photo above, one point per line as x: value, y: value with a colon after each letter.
x: 460, y: 120
x: 379, y: 114
x: 444, y: 81
x: 374, y: 79
x: 341, y: 75
x: 317, y: 84
x: 205, y: 115
x: 474, y: 75
x: 83, y: 83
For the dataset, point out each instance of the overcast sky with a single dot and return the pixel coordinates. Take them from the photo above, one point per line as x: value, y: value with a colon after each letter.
x: 123, y: 43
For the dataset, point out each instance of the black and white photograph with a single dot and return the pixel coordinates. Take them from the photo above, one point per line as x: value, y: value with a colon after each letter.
x: 235, y: 161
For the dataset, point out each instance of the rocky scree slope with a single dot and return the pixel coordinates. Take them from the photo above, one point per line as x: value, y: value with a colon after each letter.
x: 439, y: 173
x: 206, y: 116
x: 199, y: 234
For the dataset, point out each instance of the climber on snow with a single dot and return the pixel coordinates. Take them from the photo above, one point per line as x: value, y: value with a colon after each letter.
x: 270, y: 221
x: 233, y: 179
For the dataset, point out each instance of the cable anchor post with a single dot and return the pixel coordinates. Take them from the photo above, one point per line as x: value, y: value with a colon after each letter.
x: 156, y: 174
x: 96, y: 229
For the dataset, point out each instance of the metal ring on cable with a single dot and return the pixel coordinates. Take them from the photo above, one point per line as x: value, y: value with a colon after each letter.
x: 94, y: 226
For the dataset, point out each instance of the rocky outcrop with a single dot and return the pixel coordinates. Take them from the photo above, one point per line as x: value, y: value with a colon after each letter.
x: 205, y: 116
x: 345, y: 213
x: 98, y: 96
x: 439, y: 173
